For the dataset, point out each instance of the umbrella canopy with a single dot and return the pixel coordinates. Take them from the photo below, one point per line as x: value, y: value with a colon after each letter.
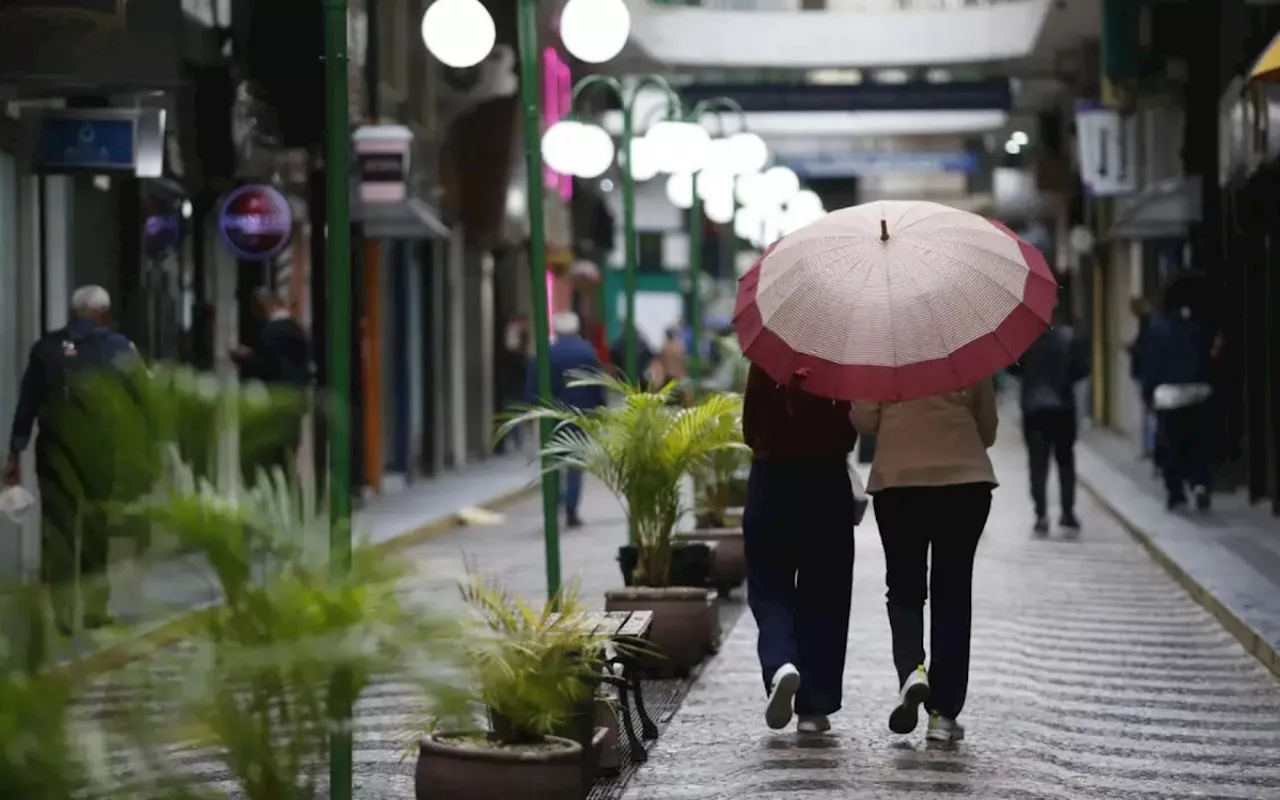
x: 1267, y: 67
x: 893, y: 301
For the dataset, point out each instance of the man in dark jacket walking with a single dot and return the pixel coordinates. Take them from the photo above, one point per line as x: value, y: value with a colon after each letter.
x: 75, y: 480
x: 1050, y: 370
x: 282, y: 360
x: 569, y: 352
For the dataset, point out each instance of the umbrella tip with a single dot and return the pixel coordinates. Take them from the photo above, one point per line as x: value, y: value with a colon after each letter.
x: 884, y: 231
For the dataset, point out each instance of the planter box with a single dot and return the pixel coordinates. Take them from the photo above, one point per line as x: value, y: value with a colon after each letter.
x: 685, y: 626
x: 691, y: 563
x: 729, y: 568
x: 450, y: 768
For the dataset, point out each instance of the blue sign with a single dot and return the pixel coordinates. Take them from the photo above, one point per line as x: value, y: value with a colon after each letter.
x: 72, y: 144
x: 991, y: 94
x: 855, y: 164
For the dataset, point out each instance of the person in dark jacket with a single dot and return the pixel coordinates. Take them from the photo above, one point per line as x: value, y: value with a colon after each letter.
x: 75, y: 532
x: 281, y: 359
x: 569, y: 352
x: 1050, y: 370
x: 1176, y: 384
x: 644, y: 358
x: 1142, y: 313
x: 798, y: 534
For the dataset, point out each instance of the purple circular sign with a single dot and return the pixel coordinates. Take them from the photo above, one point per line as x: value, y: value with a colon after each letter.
x: 256, y: 222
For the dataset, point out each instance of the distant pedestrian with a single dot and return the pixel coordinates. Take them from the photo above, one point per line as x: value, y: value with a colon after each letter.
x: 671, y: 366
x: 798, y: 532
x: 513, y: 363
x: 931, y: 485
x: 644, y: 357
x: 1176, y: 384
x: 76, y: 481
x: 280, y: 358
x: 1142, y: 313
x: 569, y: 352
x: 1050, y: 370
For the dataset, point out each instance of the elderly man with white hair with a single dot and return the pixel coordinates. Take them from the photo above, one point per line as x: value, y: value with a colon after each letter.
x: 73, y: 519
x: 569, y: 352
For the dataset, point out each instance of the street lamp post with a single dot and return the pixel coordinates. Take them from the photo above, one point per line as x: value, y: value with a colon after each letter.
x: 630, y: 247
x: 338, y: 264
x: 461, y: 33
x: 694, y: 115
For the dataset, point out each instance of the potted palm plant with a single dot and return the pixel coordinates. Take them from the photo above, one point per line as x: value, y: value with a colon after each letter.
x: 714, y: 486
x: 641, y: 447
x: 534, y: 671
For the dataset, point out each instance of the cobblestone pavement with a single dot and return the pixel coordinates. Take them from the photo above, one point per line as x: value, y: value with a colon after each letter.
x: 1093, y: 676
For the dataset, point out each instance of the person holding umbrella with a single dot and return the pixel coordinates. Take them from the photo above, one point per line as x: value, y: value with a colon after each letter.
x: 906, y: 310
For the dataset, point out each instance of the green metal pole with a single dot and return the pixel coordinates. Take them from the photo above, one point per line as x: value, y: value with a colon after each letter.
x: 631, y: 247
x: 530, y: 101
x: 338, y: 263
x: 695, y: 290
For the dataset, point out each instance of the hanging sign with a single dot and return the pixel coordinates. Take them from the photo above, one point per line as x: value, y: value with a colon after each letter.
x: 256, y: 222
x: 382, y: 162
x: 1108, y: 150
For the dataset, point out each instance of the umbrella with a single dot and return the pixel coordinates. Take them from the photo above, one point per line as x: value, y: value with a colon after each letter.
x: 893, y: 300
x: 1267, y: 67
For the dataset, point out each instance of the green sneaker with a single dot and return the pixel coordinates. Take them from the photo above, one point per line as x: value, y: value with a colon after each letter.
x: 915, y: 691
x: 944, y: 729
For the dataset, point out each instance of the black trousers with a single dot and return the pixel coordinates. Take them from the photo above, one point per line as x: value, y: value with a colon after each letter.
x: 1185, y: 435
x: 798, y: 532
x: 948, y: 520
x: 1051, y: 435
x: 75, y: 537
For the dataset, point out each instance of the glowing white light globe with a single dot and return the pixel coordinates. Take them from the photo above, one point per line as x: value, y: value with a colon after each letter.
x: 753, y: 190
x: 679, y: 146
x: 560, y: 146
x: 595, y: 152
x: 680, y: 190
x: 642, y: 164
x: 720, y: 157
x: 747, y: 222
x: 806, y: 203
x: 713, y: 184
x: 748, y: 153
x: 719, y: 208
x: 460, y: 33
x: 595, y: 31
x: 782, y: 184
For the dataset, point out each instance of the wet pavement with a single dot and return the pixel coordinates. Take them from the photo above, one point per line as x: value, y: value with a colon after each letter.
x: 1094, y: 676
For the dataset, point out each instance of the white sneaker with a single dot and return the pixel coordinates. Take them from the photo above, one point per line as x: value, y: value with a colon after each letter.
x: 780, y: 708
x: 915, y: 690
x: 944, y: 729
x: 813, y: 723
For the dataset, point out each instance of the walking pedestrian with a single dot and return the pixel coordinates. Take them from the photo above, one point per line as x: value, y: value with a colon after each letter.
x: 1050, y: 370
x: 672, y: 365
x: 1176, y: 384
x: 569, y: 352
x: 798, y: 534
x: 75, y: 480
x: 513, y: 366
x: 1142, y: 313
x: 931, y: 486
x: 280, y: 358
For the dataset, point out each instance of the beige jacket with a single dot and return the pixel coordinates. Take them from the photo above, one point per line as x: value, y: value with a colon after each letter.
x: 933, y: 441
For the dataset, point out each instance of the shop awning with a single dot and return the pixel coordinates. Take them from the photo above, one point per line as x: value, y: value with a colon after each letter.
x: 408, y: 219
x: 1267, y: 67
x: 1164, y: 210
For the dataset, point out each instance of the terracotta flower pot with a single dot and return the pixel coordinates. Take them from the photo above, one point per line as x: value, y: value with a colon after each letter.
x: 685, y: 623
x: 464, y: 766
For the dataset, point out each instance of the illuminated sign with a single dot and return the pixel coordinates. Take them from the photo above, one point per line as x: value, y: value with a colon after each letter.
x: 557, y: 103
x: 256, y: 222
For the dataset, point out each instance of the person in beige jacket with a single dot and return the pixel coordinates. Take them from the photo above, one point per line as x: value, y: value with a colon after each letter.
x: 931, y: 484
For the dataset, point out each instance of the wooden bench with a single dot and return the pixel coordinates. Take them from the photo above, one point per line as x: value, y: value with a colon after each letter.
x: 628, y: 631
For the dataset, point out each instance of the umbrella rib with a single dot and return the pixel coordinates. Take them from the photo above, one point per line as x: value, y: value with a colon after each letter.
x: 937, y: 328
x: 1018, y: 300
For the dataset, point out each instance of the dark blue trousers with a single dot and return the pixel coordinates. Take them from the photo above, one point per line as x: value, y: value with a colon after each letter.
x: 798, y: 534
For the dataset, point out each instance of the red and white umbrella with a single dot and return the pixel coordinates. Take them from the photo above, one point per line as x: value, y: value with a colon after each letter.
x: 893, y: 300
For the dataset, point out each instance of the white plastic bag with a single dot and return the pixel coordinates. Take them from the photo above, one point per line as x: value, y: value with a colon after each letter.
x: 860, y: 499
x: 15, y: 502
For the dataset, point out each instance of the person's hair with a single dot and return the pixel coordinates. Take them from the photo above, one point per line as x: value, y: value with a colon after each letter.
x: 90, y: 300
x: 566, y: 323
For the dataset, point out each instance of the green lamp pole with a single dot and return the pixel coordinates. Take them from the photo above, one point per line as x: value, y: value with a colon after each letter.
x: 337, y: 158
x: 531, y: 106
x: 629, y: 244
x: 695, y: 114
